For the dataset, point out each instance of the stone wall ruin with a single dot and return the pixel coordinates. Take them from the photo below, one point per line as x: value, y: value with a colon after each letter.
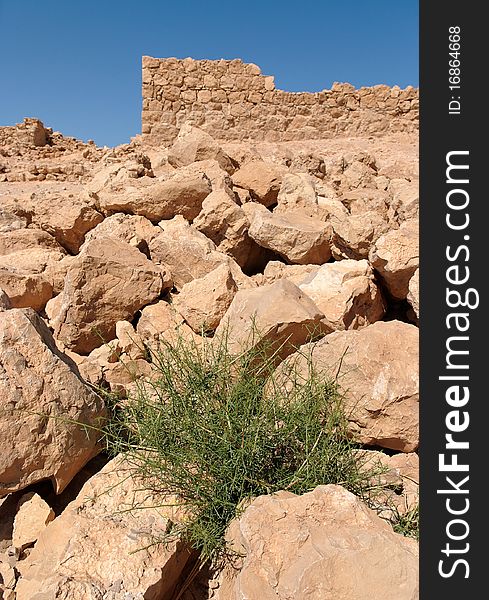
x: 232, y: 100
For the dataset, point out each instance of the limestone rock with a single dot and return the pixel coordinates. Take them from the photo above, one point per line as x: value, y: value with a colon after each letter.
x: 102, y: 545
x: 130, y: 342
x: 405, y: 199
x: 297, y: 192
x: 5, y: 303
x: 108, y: 282
x: 378, y: 372
x: 262, y: 179
x: 346, y: 293
x: 25, y: 290
x: 31, y: 519
x: 179, y: 193
x: 193, y: 145
x: 396, y: 257
x: 297, y: 238
x: 160, y: 322
x: 203, y: 302
x: 44, y: 407
x: 354, y: 235
x: 323, y: 545
x: 280, y: 312
x: 189, y: 254
x: 413, y: 292
x: 295, y: 273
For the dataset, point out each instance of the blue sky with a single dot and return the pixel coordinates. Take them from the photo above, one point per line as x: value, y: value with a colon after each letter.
x: 77, y: 65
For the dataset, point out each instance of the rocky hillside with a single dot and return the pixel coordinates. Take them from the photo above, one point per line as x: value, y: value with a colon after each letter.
x: 106, y: 252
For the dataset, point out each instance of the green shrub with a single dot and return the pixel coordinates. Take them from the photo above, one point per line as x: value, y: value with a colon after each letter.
x: 216, y: 429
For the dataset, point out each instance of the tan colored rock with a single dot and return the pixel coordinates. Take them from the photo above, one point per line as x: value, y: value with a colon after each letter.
x: 130, y: 342
x: 25, y: 290
x: 56, y: 271
x: 405, y: 199
x: 5, y: 303
x: 226, y: 224
x: 7, y: 581
x: 66, y: 217
x: 323, y: 545
x: 396, y: 257
x: 354, y: 235
x: 102, y: 545
x: 123, y: 374
x: 108, y: 282
x: 413, y: 292
x: 19, y: 240
x: 280, y: 312
x: 346, y: 293
x: 297, y: 192
x: 31, y: 519
x: 262, y: 179
x: 44, y: 407
x: 189, y: 254
x: 379, y: 374
x: 193, y: 145
x: 159, y: 322
x: 297, y: 238
x: 178, y: 193
x: 295, y: 273
x: 203, y: 302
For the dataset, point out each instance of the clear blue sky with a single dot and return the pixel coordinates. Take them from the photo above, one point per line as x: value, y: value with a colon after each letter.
x: 77, y: 65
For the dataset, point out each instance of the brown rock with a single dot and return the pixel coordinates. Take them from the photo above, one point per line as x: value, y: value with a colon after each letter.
x: 354, y: 235
x: 5, y: 303
x: 261, y: 179
x: 299, y: 239
x: 160, y: 322
x: 280, y: 312
x: 413, y: 292
x: 103, y: 545
x: 203, y: 302
x: 179, y: 193
x: 324, y: 545
x: 295, y: 273
x: 346, y: 293
x: 108, y: 282
x: 193, y: 145
x: 130, y: 342
x: 44, y: 407
x: 31, y: 519
x: 396, y: 257
x: 25, y: 290
x: 298, y: 193
x: 405, y: 199
x: 378, y: 371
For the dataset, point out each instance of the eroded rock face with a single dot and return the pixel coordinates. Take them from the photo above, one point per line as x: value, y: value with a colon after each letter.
x: 44, y: 406
x: 346, y: 293
x: 297, y: 238
x: 379, y: 373
x: 108, y: 282
x: 396, y: 257
x: 100, y: 548
x: 280, y: 312
x: 323, y: 545
x: 31, y: 519
x: 413, y: 292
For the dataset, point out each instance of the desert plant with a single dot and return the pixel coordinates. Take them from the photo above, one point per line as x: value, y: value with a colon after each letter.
x: 215, y: 429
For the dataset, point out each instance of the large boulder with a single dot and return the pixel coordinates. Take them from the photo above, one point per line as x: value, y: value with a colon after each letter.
x: 179, y: 193
x: 203, y: 302
x: 354, y: 235
x: 378, y: 371
x: 279, y: 313
x: 105, y: 545
x: 262, y: 180
x: 396, y: 257
x: 189, y: 254
x: 45, y: 407
x: 297, y: 238
x: 108, y: 282
x: 297, y: 193
x: 346, y: 293
x: 323, y: 545
x: 194, y: 145
x: 132, y: 229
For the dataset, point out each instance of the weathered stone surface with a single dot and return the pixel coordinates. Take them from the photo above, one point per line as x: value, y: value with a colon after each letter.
x: 189, y: 254
x: 67, y: 218
x: 102, y: 546
x: 299, y: 239
x: 413, y: 292
x: 108, y: 282
x: 226, y: 224
x: 31, y: 519
x: 5, y: 303
x: 346, y: 293
x: 203, y: 302
x: 193, y: 145
x: 25, y: 290
x: 295, y: 273
x: 324, y: 545
x: 379, y: 373
x: 280, y: 312
x: 355, y: 234
x: 160, y: 322
x: 396, y: 257
x: 44, y: 407
x: 297, y: 193
x: 133, y: 229
x: 179, y: 193
x: 405, y: 199
x: 130, y: 342
x: 261, y: 179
